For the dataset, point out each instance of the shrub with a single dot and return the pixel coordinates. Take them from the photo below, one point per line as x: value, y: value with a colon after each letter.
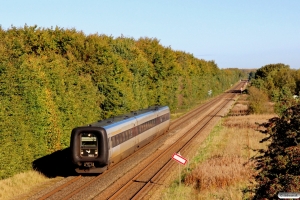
x: 257, y: 100
x: 279, y: 166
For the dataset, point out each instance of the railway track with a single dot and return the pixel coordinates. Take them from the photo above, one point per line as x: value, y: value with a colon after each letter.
x: 141, y: 184
x: 141, y: 180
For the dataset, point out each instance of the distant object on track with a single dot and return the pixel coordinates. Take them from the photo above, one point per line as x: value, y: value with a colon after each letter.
x: 99, y: 145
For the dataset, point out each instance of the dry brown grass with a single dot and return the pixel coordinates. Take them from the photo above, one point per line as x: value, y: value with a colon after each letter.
x: 247, y: 121
x: 22, y: 183
x: 218, y: 172
x: 227, y: 170
x: 239, y: 109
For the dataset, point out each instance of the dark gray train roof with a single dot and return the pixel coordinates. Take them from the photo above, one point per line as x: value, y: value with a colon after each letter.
x: 112, y: 120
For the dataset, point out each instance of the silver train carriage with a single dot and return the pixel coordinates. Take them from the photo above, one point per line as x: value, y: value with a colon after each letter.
x: 104, y: 143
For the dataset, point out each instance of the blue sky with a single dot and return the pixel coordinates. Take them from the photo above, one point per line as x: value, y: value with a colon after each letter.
x: 233, y: 33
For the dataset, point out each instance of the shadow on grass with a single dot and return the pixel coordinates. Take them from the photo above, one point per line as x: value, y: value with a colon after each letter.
x: 56, y: 164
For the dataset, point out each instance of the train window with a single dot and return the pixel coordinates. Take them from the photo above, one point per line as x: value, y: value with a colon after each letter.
x: 123, y: 136
x: 135, y: 131
x: 130, y: 134
x: 126, y: 135
x: 88, y: 140
x: 120, y: 138
x: 113, y: 141
x: 117, y: 140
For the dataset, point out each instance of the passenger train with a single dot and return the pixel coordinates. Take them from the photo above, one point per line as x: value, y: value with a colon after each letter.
x: 104, y: 143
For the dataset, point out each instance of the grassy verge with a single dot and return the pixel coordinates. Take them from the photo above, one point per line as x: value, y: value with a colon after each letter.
x: 221, y: 170
x: 22, y: 183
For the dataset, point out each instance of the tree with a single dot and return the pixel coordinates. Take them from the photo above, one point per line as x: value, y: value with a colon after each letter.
x: 279, y: 165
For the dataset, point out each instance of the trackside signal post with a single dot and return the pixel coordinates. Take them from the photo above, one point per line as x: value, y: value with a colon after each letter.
x: 181, y: 160
x: 209, y: 92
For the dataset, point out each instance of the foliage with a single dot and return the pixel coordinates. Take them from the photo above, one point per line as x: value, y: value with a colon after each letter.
x: 251, y: 75
x: 257, y: 100
x: 280, y: 83
x: 52, y: 80
x: 279, y: 165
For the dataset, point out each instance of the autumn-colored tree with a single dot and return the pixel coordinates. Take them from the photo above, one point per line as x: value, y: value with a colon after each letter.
x: 279, y: 164
x: 280, y: 83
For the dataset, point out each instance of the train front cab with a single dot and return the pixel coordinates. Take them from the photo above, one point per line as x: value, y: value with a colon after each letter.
x: 89, y: 147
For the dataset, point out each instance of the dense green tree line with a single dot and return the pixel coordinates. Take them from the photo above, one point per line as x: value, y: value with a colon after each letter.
x: 280, y: 83
x: 52, y: 80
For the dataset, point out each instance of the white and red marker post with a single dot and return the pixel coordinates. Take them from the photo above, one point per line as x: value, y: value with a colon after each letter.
x: 177, y: 157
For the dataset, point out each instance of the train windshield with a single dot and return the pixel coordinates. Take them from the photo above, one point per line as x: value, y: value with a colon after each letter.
x: 88, y: 140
